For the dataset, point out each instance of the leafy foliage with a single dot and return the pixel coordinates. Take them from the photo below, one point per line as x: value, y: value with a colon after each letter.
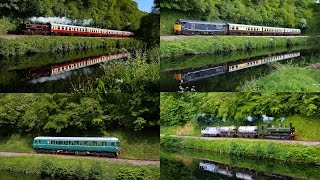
x: 71, y: 114
x: 235, y: 107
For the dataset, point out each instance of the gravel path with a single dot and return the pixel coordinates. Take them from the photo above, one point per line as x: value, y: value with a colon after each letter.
x: 174, y: 37
x: 305, y: 143
x: 116, y: 160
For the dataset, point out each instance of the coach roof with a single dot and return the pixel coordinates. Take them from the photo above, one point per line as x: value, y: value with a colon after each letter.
x: 78, y: 138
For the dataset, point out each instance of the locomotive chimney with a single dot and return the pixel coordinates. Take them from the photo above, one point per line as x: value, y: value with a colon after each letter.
x: 290, y: 125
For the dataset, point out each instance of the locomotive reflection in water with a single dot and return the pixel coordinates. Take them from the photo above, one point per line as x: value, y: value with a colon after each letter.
x: 61, y: 71
x: 236, y: 172
x: 187, y: 75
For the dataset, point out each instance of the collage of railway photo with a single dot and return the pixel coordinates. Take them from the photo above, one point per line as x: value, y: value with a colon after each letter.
x: 159, y: 89
x: 240, y: 89
x: 79, y: 90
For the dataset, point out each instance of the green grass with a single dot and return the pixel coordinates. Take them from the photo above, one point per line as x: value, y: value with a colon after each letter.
x: 45, y: 44
x: 110, y: 170
x: 262, y: 149
x: 187, y: 130
x: 135, y: 145
x: 285, y: 79
x: 223, y: 44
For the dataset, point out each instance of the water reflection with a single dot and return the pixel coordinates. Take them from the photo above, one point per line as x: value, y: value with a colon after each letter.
x: 28, y: 75
x: 236, y: 172
x: 187, y: 164
x: 226, y: 75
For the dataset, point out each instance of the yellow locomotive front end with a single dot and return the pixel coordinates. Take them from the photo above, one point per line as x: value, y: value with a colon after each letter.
x: 177, y: 27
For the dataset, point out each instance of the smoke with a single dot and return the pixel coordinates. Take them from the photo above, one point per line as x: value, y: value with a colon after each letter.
x: 282, y: 119
x: 250, y: 118
x: 266, y: 118
x: 61, y: 20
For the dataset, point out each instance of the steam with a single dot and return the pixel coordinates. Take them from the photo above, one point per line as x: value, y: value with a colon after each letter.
x: 266, y: 118
x: 250, y: 118
x: 61, y: 20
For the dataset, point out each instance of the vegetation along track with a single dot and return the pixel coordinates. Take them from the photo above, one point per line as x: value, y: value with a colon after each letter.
x: 306, y: 143
x: 138, y: 162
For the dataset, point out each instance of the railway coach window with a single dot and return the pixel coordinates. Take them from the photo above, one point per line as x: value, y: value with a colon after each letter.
x: 113, y: 144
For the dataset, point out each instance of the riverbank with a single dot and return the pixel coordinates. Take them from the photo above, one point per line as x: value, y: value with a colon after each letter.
x: 259, y: 148
x: 135, y: 146
x: 224, y: 44
x: 191, y: 159
x: 62, y: 44
x: 76, y: 167
x: 301, y: 79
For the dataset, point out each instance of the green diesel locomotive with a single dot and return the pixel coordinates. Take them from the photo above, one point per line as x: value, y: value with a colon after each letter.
x: 96, y: 146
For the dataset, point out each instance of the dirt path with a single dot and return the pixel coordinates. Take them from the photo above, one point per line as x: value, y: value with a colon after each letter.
x: 305, y: 143
x: 116, y: 160
x: 174, y: 37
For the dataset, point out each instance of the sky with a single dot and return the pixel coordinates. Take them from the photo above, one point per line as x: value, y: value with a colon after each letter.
x: 145, y: 5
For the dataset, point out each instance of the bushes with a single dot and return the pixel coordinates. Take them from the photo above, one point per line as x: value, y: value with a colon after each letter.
x: 218, y: 44
x: 133, y: 174
x: 301, y: 80
x: 6, y: 25
x: 60, y: 44
x: 47, y: 169
x: 256, y: 148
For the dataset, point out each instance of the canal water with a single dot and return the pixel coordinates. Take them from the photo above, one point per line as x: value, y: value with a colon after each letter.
x: 54, y: 73
x: 186, y: 164
x: 227, y: 72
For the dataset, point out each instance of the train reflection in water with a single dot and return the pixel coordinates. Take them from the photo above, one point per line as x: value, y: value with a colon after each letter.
x: 189, y: 75
x: 63, y: 70
x: 237, y: 172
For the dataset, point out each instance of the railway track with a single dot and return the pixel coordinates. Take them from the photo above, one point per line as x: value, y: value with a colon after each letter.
x: 138, y: 162
x: 302, y: 142
x: 174, y: 37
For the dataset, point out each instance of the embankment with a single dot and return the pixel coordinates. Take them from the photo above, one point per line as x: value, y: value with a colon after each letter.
x: 224, y: 44
x: 76, y: 168
x: 241, y: 147
x: 301, y: 80
x: 62, y: 44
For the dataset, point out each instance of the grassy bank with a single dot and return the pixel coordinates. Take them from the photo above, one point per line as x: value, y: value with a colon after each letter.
x: 223, y: 44
x: 61, y: 44
x: 135, y: 146
x: 77, y: 168
x: 241, y: 147
x: 307, y: 128
x: 301, y: 80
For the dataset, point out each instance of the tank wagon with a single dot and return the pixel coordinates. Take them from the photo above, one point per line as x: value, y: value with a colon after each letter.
x: 96, y: 146
x: 280, y: 132
x: 191, y: 27
x: 31, y: 28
